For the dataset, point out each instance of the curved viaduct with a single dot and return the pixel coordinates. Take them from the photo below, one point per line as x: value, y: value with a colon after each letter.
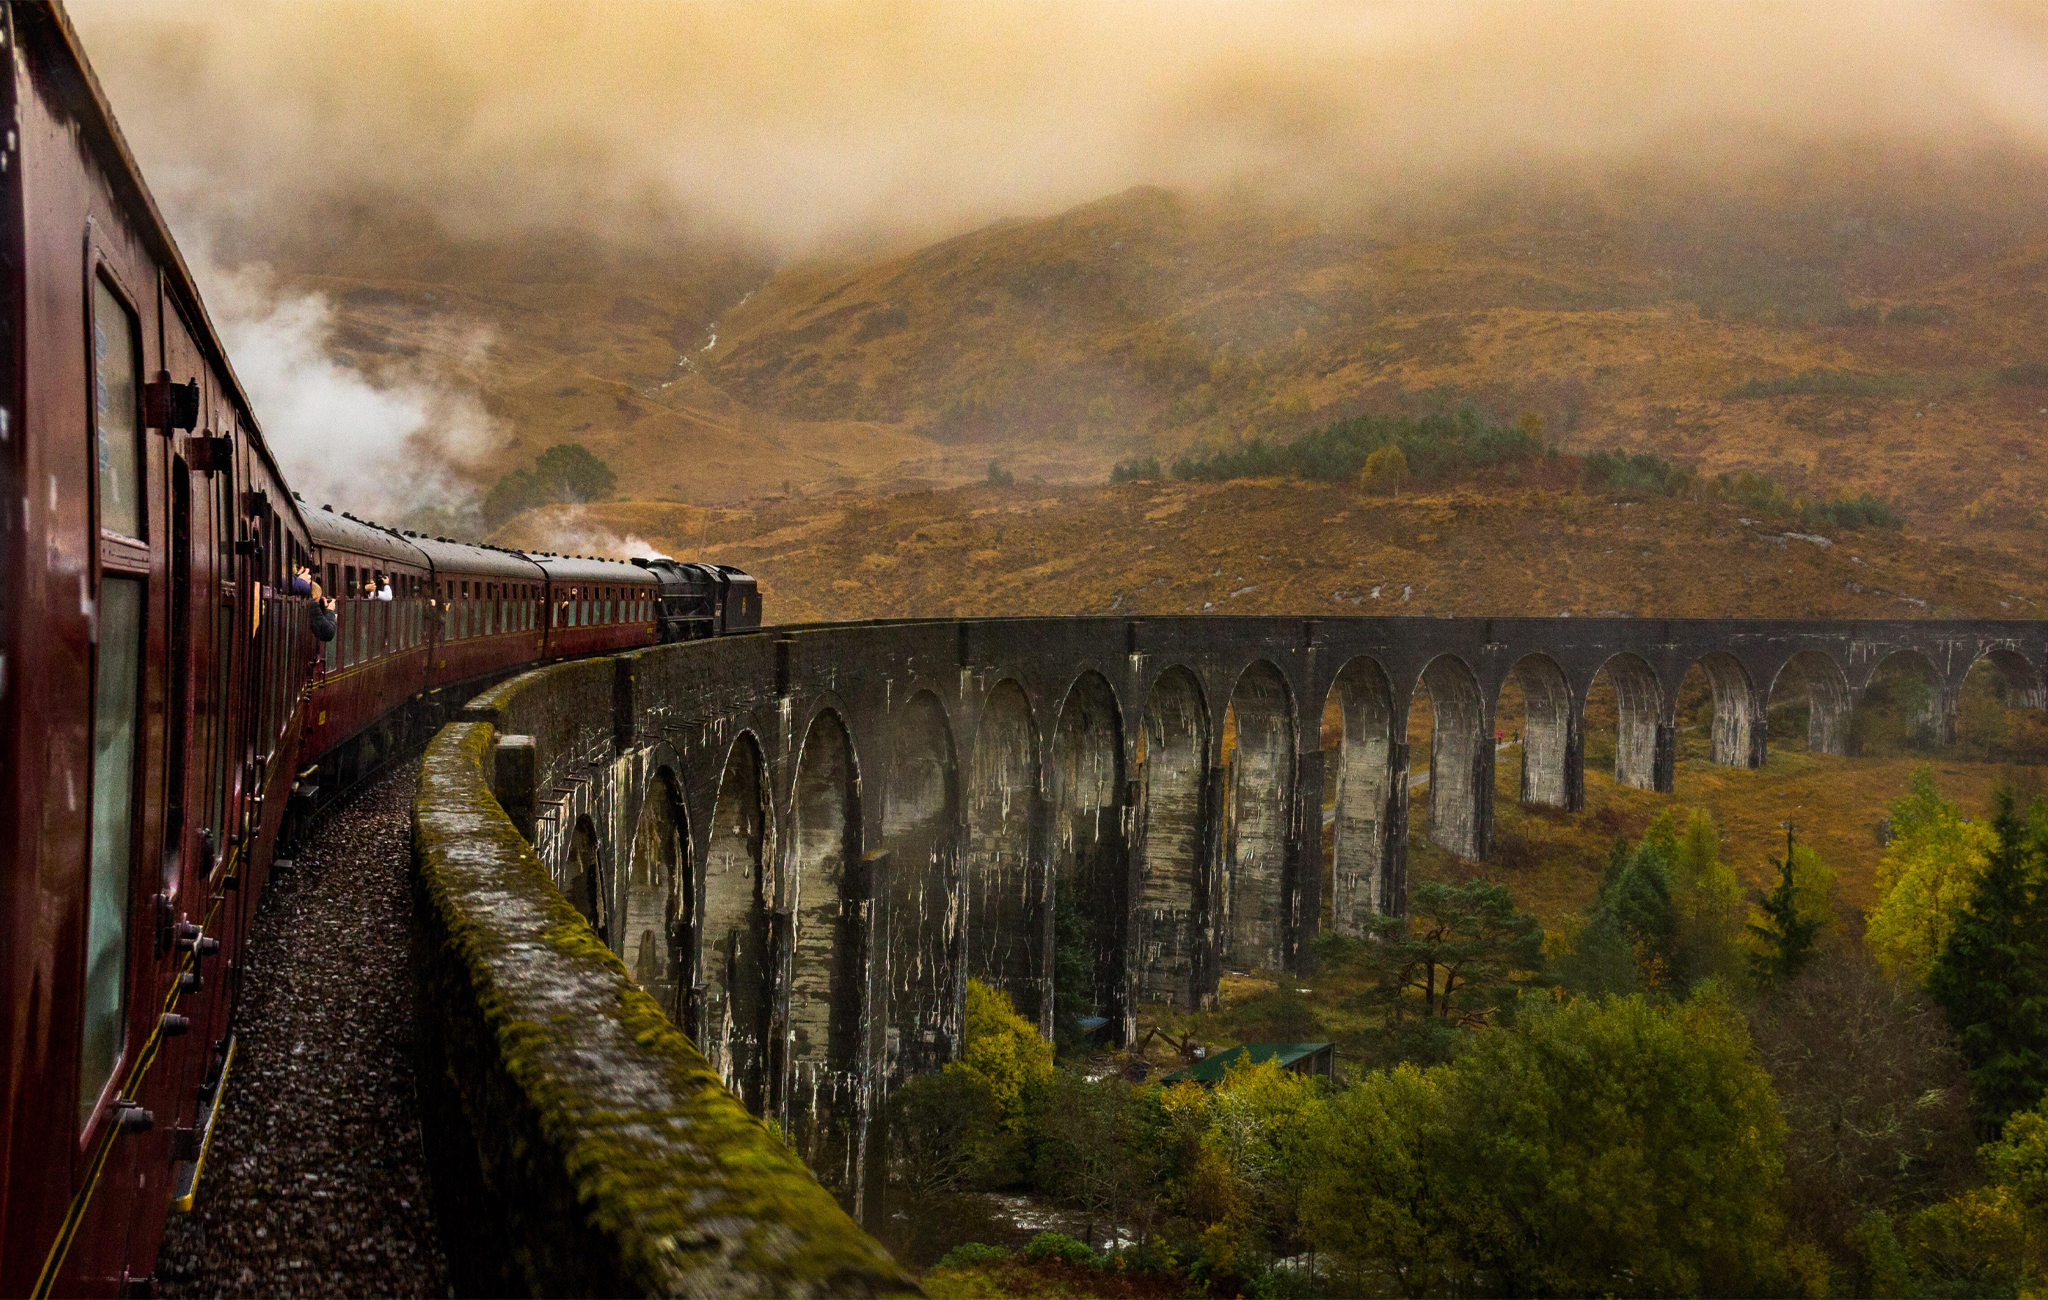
x: 803, y: 842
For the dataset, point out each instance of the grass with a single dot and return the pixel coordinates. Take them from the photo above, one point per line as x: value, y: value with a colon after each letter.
x: 1828, y: 383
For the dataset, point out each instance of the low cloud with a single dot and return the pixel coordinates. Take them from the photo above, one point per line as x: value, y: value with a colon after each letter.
x: 799, y: 126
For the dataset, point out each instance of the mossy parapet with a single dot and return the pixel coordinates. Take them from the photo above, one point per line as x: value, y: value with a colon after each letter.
x: 580, y: 1143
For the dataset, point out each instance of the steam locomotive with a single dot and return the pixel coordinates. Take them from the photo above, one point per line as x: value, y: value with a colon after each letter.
x: 165, y: 710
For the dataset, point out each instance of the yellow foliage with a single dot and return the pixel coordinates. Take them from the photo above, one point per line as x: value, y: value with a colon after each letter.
x: 1004, y: 1049
x: 1386, y: 471
x: 1815, y: 882
x: 1923, y: 882
x: 1807, y: 1267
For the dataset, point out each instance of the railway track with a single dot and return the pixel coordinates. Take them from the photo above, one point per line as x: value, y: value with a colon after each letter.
x: 315, y: 1183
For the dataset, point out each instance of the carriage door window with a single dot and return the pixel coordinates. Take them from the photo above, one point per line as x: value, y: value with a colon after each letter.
x: 117, y: 699
x: 118, y: 426
x: 332, y: 649
x: 117, y: 704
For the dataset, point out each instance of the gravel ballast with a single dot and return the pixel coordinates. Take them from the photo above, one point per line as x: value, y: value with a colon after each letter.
x: 316, y: 1183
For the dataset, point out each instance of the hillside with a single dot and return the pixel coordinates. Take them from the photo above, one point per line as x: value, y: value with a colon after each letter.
x: 1271, y: 547
x: 1846, y: 324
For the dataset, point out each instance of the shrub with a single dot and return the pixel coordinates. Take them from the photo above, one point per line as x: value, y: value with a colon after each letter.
x: 974, y: 1254
x: 1435, y: 447
x: 1059, y: 1246
x: 946, y: 1131
x: 1000, y: 477
x: 1862, y: 511
x: 2027, y: 374
x: 1147, y: 470
x: 1385, y: 472
x: 1639, y: 475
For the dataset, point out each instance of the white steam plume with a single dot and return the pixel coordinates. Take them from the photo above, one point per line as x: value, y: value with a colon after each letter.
x: 570, y: 530
x: 384, y: 444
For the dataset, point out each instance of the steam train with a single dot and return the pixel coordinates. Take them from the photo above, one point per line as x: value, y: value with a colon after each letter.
x: 165, y: 709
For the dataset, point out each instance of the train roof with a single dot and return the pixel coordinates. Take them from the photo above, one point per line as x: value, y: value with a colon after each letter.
x: 466, y: 559
x: 332, y: 528
x: 584, y: 568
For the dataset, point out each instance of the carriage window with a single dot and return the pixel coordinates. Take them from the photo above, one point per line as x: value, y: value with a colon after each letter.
x: 118, y: 700
x: 117, y: 423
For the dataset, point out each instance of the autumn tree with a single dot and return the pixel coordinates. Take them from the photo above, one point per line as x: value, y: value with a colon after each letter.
x: 1706, y: 903
x: 1385, y: 472
x: 1636, y: 1150
x: 1925, y: 879
x: 1599, y: 1147
x: 1991, y: 976
x: 1096, y: 1147
x: 1004, y: 1050
x: 1875, y: 1096
x: 1376, y: 1207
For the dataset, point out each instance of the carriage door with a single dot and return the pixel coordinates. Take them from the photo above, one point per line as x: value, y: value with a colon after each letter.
x: 189, y: 825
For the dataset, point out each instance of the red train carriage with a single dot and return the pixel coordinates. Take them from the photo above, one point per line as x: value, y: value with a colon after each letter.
x: 160, y: 698
x: 380, y: 651
x: 597, y: 605
x: 490, y: 613
x: 148, y: 673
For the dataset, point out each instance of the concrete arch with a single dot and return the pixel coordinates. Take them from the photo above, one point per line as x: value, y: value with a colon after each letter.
x: 1172, y: 779
x: 825, y: 949
x: 1259, y: 800
x: 735, y: 964
x: 585, y: 882
x: 2024, y: 687
x: 1460, y: 759
x: 920, y: 820
x: 1551, y: 743
x: 1931, y: 710
x: 1091, y: 892
x: 1370, y: 801
x: 1004, y: 916
x: 1643, y: 754
x: 1829, y: 703
x: 659, y: 893
x: 1738, y: 713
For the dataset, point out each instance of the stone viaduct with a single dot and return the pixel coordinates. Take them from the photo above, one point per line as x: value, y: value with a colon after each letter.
x: 804, y: 841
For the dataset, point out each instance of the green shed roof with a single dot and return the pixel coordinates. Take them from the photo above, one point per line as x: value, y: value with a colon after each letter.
x: 1213, y: 1068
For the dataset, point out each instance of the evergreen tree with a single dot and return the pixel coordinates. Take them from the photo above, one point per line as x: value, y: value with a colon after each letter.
x: 1456, y: 961
x: 1785, y: 939
x: 1991, y: 976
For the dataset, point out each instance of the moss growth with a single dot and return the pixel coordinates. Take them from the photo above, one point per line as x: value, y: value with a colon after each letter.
x: 601, y: 1138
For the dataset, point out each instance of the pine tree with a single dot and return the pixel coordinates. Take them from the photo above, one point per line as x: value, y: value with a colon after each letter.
x: 1991, y: 976
x: 1785, y: 939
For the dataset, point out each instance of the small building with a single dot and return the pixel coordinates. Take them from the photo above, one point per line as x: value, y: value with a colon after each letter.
x: 1318, y: 1059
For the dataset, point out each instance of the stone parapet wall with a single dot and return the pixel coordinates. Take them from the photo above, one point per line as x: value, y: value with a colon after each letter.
x: 580, y: 1144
